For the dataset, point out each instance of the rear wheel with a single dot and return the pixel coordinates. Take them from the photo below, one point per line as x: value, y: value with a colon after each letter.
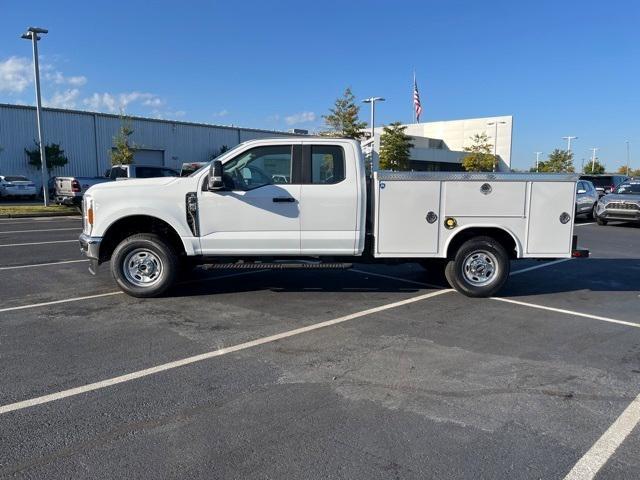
x: 480, y: 268
x: 143, y: 265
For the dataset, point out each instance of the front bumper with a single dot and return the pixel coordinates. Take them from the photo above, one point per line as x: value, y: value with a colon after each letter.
x: 90, y: 247
x: 626, y: 215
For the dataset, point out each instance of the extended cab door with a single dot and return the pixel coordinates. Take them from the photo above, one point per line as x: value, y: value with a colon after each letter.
x: 329, y: 200
x: 258, y: 212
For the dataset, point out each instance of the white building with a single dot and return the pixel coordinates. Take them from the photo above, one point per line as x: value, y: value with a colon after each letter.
x: 440, y: 145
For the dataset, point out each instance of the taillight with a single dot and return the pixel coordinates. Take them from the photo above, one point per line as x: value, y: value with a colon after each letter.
x: 75, y: 186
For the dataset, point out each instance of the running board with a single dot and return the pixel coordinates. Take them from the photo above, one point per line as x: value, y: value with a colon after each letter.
x: 278, y: 266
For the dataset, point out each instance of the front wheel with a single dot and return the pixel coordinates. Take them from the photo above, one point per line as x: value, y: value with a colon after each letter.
x: 480, y: 268
x: 143, y: 265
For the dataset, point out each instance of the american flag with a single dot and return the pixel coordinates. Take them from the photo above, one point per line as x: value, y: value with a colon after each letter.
x: 416, y: 100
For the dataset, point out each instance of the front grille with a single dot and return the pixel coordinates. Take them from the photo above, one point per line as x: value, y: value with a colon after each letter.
x: 622, y: 206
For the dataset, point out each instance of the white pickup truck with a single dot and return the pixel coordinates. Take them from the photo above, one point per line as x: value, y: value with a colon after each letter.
x: 306, y: 203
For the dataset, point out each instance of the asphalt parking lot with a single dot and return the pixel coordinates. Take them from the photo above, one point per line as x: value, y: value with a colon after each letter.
x: 362, y: 374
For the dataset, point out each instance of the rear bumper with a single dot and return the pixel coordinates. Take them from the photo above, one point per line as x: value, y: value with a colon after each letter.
x: 66, y: 200
x: 90, y: 247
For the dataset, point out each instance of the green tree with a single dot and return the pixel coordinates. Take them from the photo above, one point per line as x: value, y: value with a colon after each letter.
x: 55, y: 156
x: 558, y: 161
x: 479, y: 157
x: 394, y: 148
x: 594, y: 168
x: 219, y: 152
x: 122, y: 152
x: 632, y: 173
x: 342, y: 120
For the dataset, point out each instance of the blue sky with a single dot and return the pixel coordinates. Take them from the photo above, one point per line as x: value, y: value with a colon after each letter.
x: 560, y: 67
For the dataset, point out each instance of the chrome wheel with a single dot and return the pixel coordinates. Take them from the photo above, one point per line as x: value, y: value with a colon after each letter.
x: 480, y: 268
x: 142, y: 267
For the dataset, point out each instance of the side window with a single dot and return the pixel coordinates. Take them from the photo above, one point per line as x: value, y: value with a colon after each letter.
x: 327, y: 164
x: 147, y: 172
x: 258, y: 167
x: 167, y: 172
x: 581, y: 186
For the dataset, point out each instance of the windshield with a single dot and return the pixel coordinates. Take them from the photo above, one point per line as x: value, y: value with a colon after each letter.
x: 600, y: 181
x: 628, y: 189
x: 206, y: 165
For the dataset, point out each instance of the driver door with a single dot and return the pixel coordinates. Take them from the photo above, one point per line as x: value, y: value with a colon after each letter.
x: 257, y: 213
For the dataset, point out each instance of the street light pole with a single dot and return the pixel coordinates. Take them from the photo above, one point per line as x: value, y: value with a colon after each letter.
x: 538, y: 161
x: 627, y: 158
x: 568, y: 139
x: 32, y: 34
x: 372, y: 101
x: 495, y: 142
x: 593, y: 159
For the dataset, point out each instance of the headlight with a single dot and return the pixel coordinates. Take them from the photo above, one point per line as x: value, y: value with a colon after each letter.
x: 88, y: 214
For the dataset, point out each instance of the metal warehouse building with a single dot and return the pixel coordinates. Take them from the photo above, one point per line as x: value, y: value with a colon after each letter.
x: 87, y: 140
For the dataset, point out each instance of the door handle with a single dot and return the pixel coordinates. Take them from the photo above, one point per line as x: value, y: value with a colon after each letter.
x: 284, y: 199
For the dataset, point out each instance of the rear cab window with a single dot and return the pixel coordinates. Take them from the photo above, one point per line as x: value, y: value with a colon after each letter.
x: 327, y: 164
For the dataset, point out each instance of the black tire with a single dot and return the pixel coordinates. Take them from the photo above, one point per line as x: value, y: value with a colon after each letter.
x: 592, y: 213
x: 601, y: 221
x: 492, y: 260
x: 144, y: 258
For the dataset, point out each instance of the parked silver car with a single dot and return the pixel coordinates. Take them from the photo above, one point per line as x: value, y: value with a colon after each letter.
x: 17, y: 186
x: 586, y: 199
x: 622, y: 204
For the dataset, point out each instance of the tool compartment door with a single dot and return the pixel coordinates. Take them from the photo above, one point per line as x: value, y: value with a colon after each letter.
x: 403, y: 207
x: 546, y: 234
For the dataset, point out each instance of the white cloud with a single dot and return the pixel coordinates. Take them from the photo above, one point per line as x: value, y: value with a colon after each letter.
x: 221, y: 113
x: 302, y: 117
x: 16, y: 73
x: 113, y: 102
x: 65, y: 99
x: 59, y: 79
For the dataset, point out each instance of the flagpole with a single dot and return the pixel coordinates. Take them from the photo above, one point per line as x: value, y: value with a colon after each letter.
x: 415, y: 118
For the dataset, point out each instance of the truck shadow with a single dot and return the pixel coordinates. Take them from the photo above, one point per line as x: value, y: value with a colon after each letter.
x: 595, y: 275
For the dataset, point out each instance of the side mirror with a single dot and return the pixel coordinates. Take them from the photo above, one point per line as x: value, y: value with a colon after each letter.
x: 582, y: 191
x: 215, y: 176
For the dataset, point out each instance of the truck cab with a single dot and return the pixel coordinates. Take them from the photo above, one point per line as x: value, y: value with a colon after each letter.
x: 308, y: 201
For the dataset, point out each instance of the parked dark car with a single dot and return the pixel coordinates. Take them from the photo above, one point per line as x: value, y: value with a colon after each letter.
x: 605, y: 183
x: 586, y: 198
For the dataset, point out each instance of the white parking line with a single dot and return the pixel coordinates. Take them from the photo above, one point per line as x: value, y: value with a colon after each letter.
x: 17, y: 267
x: 543, y: 265
x: 57, y: 302
x: 108, y: 294
x: 601, y: 451
x: 205, y: 356
x: 41, y: 230
x: 568, y: 312
x: 31, y: 220
x: 517, y: 302
x: 583, y: 224
x: 37, y: 243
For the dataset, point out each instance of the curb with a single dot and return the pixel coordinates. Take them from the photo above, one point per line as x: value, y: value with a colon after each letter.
x: 41, y: 215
